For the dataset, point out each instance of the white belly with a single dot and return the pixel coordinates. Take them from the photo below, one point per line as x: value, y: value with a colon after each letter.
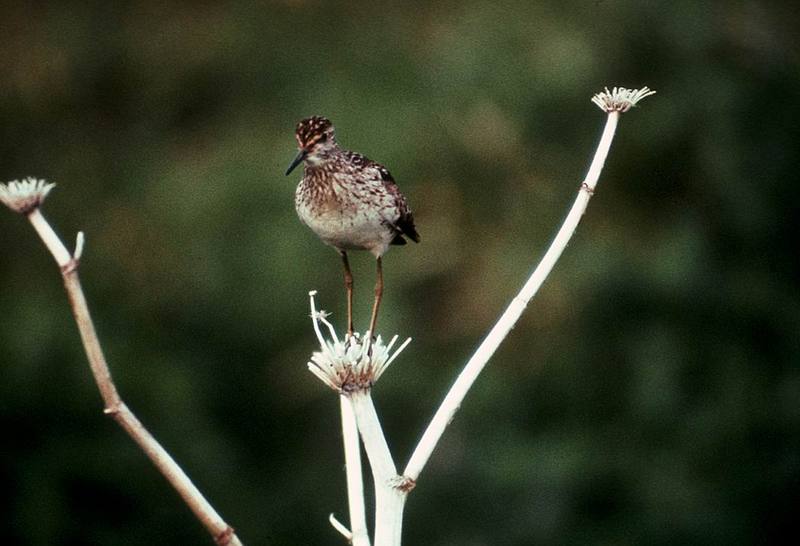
x: 345, y: 225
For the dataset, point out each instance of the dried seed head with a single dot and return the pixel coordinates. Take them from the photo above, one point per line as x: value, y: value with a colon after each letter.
x: 620, y: 99
x: 351, y: 365
x: 23, y: 196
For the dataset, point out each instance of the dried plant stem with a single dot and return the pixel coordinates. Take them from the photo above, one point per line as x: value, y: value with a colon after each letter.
x: 508, y: 319
x: 390, y: 489
x: 223, y: 533
x: 359, y: 536
x: 49, y: 238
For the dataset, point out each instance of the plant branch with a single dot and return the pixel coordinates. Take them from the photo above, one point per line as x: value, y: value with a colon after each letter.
x: 380, y: 458
x: 49, y: 238
x: 508, y: 319
x: 359, y: 535
x: 223, y: 533
x: 390, y: 493
x: 340, y: 527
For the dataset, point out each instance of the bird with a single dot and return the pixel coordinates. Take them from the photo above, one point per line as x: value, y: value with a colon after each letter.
x: 350, y: 202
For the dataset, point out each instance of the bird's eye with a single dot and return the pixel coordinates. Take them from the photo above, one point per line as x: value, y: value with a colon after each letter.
x: 324, y: 137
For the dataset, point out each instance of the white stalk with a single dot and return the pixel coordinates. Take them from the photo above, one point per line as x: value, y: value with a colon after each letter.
x: 389, y: 504
x: 359, y: 536
x: 340, y: 527
x: 50, y: 239
x: 222, y: 533
x: 380, y: 458
x: 509, y: 318
x: 390, y: 497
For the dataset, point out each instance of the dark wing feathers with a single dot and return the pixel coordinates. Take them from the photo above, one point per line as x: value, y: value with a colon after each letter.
x: 405, y: 223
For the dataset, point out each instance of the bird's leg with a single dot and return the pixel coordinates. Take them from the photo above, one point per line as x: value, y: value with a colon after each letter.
x: 378, y: 297
x: 348, y: 285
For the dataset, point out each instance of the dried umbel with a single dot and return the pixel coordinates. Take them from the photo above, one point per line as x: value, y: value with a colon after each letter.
x: 620, y: 99
x: 352, y: 364
x: 24, y: 196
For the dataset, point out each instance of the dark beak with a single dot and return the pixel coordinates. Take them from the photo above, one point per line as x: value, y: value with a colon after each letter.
x: 301, y: 155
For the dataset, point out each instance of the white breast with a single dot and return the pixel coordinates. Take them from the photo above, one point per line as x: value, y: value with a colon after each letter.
x: 356, y: 218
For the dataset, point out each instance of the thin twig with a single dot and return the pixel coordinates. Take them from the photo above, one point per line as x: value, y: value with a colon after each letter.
x: 340, y: 528
x: 359, y: 536
x: 509, y: 318
x: 223, y: 533
x: 49, y: 238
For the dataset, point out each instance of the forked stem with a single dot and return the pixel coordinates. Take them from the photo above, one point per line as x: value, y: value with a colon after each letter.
x: 223, y: 533
x: 335, y: 360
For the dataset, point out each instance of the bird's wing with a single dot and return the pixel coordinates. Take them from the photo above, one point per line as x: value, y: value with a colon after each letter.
x: 404, y: 224
x: 405, y: 221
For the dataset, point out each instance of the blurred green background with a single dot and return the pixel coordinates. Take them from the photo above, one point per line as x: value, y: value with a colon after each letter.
x: 650, y: 393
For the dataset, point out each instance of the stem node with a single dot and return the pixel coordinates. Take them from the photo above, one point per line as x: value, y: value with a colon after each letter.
x: 70, y: 267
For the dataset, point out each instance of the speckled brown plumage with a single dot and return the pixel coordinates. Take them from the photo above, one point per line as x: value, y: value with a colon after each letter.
x: 348, y: 200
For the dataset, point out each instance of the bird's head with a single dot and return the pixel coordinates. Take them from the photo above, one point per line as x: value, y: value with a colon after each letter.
x: 315, y: 140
